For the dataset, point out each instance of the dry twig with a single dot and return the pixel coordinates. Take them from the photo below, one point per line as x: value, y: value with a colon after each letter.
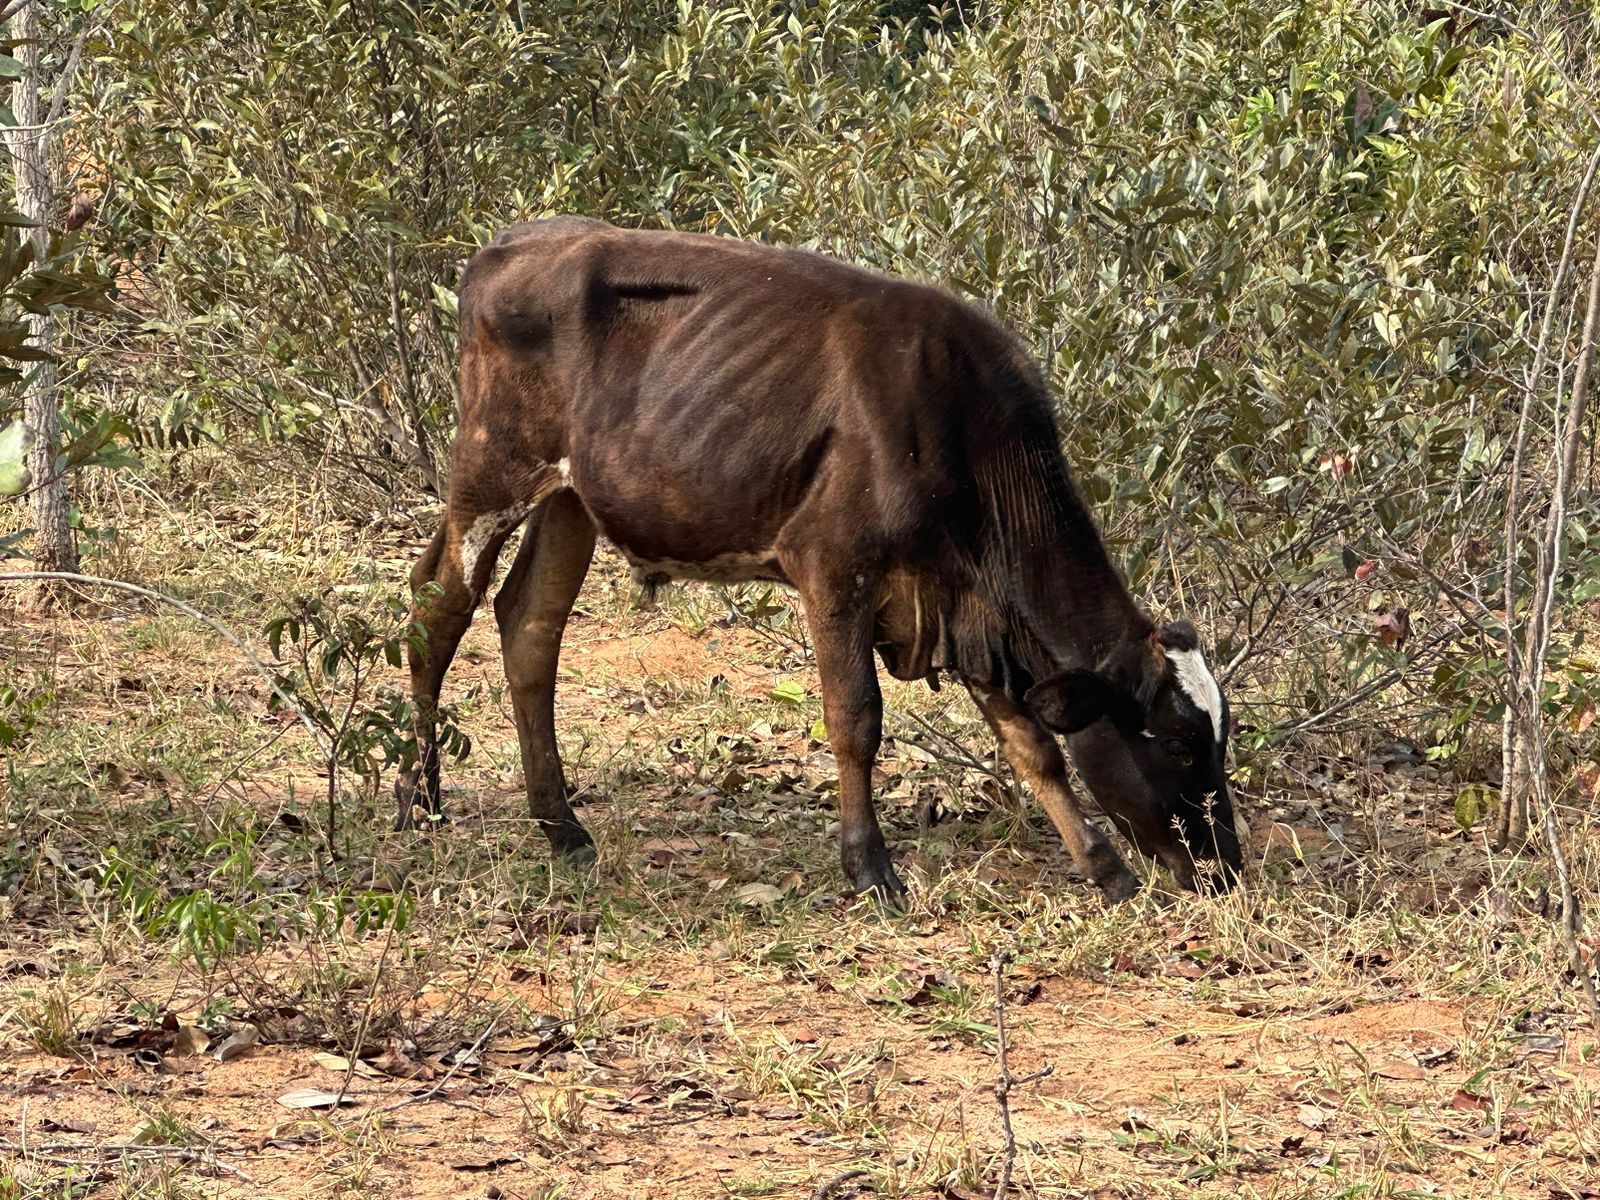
x: 149, y: 594
x: 1005, y: 1082
x: 424, y: 1097
x: 827, y: 1189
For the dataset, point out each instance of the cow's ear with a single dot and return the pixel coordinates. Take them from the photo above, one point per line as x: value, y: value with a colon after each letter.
x: 1074, y: 700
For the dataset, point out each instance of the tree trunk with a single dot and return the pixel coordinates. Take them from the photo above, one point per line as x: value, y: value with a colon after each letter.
x: 29, y: 144
x: 1522, y: 742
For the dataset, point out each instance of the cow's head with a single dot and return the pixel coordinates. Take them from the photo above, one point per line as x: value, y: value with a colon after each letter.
x: 1148, y: 730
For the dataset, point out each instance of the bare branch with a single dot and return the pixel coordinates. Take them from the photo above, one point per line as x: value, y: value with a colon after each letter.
x: 69, y: 75
x: 1006, y: 1081
x: 163, y: 598
x: 1513, y: 803
x: 826, y: 1189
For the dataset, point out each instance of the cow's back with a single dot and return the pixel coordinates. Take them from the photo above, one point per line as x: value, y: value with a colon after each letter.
x: 698, y: 390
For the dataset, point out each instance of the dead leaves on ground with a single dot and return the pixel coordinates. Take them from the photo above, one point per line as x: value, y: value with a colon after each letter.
x: 168, y: 1046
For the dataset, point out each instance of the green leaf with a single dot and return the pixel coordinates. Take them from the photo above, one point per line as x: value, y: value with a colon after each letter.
x: 1471, y: 804
x: 15, y: 478
x: 790, y: 692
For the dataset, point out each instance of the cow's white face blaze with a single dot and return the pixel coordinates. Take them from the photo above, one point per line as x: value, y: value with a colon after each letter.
x: 1199, y: 684
x: 1148, y: 731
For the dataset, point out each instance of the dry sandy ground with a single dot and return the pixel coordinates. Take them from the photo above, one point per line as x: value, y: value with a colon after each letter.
x: 721, y: 1066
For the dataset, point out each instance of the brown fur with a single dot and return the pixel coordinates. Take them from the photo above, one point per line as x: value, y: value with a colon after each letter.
x: 725, y: 410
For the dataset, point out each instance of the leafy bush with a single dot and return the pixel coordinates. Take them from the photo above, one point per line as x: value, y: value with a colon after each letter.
x: 337, y: 651
x: 1280, y: 263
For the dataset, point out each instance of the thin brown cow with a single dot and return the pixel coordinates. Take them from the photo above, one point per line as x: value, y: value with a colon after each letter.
x: 727, y: 411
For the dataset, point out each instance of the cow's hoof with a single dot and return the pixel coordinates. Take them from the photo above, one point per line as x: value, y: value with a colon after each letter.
x: 412, y: 810
x: 1120, y: 888
x: 884, y: 889
x: 579, y: 856
x: 415, y: 817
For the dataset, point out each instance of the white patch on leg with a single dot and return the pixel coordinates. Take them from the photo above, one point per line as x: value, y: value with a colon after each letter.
x: 564, y: 470
x: 483, y: 531
x: 1195, y: 678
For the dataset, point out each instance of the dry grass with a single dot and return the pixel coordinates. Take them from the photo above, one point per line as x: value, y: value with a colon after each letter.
x: 1380, y: 1012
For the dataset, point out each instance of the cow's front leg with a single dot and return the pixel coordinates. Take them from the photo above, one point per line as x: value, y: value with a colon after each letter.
x: 1035, y: 755
x: 841, y: 630
x: 532, y: 610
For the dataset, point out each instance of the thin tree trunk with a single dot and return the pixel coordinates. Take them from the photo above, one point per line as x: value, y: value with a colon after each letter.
x: 1532, y: 787
x: 1540, y: 617
x: 30, y: 156
x: 1513, y: 823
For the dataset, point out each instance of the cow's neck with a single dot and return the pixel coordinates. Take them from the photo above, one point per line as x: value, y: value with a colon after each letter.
x: 1063, y: 594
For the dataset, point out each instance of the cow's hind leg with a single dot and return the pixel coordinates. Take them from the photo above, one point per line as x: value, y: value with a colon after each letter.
x: 842, y: 621
x: 447, y: 588
x: 1036, y: 757
x: 531, y: 608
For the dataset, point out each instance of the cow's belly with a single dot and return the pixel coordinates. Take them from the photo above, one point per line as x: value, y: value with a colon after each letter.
x: 702, y: 500
x: 733, y: 567
x: 674, y: 536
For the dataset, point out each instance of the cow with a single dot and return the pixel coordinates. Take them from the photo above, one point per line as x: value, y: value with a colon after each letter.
x: 728, y: 411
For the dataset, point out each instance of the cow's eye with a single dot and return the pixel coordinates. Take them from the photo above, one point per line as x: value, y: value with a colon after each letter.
x: 1179, y: 751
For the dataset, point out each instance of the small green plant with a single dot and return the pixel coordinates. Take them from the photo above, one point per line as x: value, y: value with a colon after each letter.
x: 166, y: 1128
x: 19, y: 715
x: 73, y: 1184
x: 209, y: 924
x: 46, y: 1019
x: 334, y: 653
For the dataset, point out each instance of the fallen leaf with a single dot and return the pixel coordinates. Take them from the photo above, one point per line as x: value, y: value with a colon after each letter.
x: 69, y: 1125
x: 1465, y: 1101
x: 190, y: 1039
x: 1393, y: 626
x: 754, y: 895
x: 1024, y: 993
x: 236, y: 1044
x: 341, y: 1064
x: 313, y: 1098
x: 1313, y: 1117
x: 472, y: 1165
x: 1399, y: 1068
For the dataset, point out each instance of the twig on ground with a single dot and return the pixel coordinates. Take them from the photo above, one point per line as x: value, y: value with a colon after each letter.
x: 958, y: 755
x: 827, y: 1189
x: 188, y: 611
x: 424, y: 1097
x: 372, y: 999
x: 73, y: 1154
x: 1006, y: 1081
